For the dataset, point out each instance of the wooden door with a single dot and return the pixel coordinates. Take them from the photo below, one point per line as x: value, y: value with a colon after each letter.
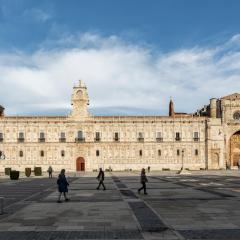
x: 80, y: 164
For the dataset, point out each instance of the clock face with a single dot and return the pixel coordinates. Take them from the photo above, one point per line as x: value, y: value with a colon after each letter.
x: 236, y: 115
x: 79, y: 93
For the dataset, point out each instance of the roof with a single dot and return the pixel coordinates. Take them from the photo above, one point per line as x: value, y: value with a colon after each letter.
x: 232, y: 96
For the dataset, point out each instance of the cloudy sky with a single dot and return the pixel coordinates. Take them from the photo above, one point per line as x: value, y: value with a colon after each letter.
x: 132, y: 55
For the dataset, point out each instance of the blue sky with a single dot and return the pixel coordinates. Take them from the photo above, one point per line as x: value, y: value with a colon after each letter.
x: 125, y: 51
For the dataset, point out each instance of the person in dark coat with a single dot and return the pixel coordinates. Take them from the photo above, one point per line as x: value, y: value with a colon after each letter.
x: 50, y: 171
x: 143, y: 180
x: 62, y: 186
x: 100, y: 178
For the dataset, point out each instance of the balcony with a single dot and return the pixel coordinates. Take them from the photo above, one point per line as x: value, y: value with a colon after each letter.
x: 196, y: 139
x: 160, y: 139
x: 178, y: 139
x: 41, y: 139
x: 20, y: 140
x: 78, y: 140
x: 141, y: 139
x: 62, y: 139
x: 116, y: 139
x: 97, y: 139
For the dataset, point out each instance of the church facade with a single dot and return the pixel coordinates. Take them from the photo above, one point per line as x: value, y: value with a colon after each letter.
x: 206, y: 139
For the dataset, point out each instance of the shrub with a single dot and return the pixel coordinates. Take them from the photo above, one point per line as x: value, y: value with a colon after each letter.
x: 28, y: 172
x: 14, y: 175
x: 38, y: 171
x: 7, y: 171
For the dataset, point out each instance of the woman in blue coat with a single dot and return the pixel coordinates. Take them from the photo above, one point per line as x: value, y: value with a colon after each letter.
x: 62, y: 186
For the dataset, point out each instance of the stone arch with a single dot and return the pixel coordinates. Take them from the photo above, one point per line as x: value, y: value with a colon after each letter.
x: 234, y: 149
x: 80, y: 164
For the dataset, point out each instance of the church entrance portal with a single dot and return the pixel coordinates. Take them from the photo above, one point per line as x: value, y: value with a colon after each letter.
x: 80, y: 164
x: 234, y: 149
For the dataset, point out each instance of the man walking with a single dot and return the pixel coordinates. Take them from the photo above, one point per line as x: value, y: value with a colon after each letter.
x: 50, y: 170
x: 100, y: 178
x: 143, y: 180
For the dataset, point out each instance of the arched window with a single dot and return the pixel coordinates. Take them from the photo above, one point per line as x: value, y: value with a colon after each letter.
x: 178, y: 152
x: 63, y: 153
x: 159, y: 152
x: 140, y: 153
x: 21, y: 153
x: 196, y: 152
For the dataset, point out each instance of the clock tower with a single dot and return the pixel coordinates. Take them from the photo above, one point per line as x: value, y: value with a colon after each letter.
x: 80, y: 101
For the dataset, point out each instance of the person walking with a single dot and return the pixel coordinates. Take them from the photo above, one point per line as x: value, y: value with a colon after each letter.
x: 62, y: 186
x: 148, y: 168
x: 143, y: 180
x: 100, y: 178
x: 50, y: 170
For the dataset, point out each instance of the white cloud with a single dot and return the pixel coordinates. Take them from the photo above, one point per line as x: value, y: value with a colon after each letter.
x: 118, y: 75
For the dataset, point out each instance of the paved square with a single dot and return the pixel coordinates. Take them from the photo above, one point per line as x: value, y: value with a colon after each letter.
x: 203, y: 205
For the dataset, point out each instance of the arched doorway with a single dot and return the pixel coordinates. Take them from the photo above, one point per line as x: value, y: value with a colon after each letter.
x: 234, y: 149
x: 80, y: 164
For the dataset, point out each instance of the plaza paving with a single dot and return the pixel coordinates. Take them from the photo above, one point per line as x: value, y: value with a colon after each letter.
x: 203, y: 205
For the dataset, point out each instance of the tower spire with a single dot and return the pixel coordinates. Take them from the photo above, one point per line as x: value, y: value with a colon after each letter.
x: 171, y: 108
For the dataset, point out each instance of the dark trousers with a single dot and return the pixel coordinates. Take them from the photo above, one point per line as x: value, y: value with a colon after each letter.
x: 50, y: 174
x: 101, y: 183
x: 143, y: 187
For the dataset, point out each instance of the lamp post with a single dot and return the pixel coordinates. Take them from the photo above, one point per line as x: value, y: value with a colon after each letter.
x: 182, y: 171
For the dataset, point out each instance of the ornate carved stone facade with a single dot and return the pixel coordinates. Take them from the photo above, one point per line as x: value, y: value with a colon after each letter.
x: 210, y: 138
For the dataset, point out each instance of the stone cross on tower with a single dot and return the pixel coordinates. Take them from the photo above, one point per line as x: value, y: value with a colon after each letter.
x: 80, y: 101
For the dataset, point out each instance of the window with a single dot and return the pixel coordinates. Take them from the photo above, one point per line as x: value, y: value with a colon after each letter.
x: 97, y: 153
x: 21, y: 137
x: 159, y: 137
x: 236, y: 115
x: 196, y: 152
x: 20, y: 153
x: 62, y: 137
x: 140, y: 153
x: 196, y: 136
x: 140, y: 137
x: 63, y: 153
x: 178, y: 152
x: 42, y: 153
x: 178, y: 138
x: 116, y: 136
x: 42, y: 137
x: 1, y: 137
x: 97, y: 136
x: 80, y: 137
x: 159, y: 152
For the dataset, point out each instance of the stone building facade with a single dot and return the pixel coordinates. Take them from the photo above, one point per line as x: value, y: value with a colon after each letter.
x: 207, y: 139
